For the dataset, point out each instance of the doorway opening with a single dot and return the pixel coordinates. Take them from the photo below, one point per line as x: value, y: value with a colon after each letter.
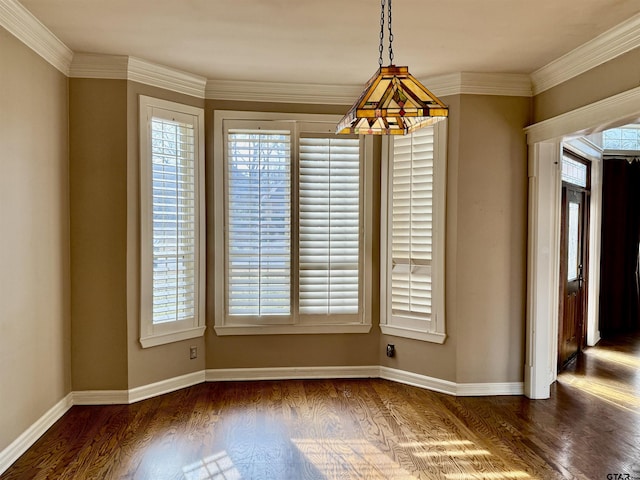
x: 574, y: 254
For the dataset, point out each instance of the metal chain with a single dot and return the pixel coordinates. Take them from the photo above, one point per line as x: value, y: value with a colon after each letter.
x: 381, y: 48
x: 390, y: 37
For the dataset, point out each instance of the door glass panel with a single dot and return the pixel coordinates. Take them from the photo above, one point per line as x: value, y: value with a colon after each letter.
x: 573, y: 240
x: 574, y: 172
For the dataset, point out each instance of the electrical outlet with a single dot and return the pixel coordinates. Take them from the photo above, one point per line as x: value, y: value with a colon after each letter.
x: 193, y: 352
x: 391, y: 350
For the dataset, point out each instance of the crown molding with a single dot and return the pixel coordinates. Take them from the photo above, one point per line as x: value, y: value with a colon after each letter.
x: 21, y: 23
x: 156, y: 75
x: 121, y: 67
x: 468, y: 83
x: 93, y: 65
x: 443, y: 85
x: 617, y: 110
x: 281, y: 92
x: 614, y: 42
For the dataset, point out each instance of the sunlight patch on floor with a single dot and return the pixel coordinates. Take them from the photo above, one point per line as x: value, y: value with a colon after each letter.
x: 622, y: 358
x: 610, y: 392
x: 486, y: 475
x: 332, y: 457
x: 215, y: 467
x: 453, y: 453
x: 441, y: 443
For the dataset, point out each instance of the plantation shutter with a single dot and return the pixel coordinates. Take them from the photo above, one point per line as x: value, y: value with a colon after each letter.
x: 174, y: 215
x: 258, y: 220
x: 329, y: 225
x: 412, y: 225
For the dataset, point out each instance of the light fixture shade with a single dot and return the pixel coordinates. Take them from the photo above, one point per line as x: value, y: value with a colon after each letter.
x: 393, y: 103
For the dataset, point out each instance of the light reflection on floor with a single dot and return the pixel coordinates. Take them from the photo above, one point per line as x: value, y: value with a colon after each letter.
x: 215, y: 467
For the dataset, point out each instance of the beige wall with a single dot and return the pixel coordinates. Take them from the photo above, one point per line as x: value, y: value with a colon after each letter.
x: 148, y: 365
x: 98, y: 177
x: 491, y: 217
x: 613, y: 77
x: 35, y: 363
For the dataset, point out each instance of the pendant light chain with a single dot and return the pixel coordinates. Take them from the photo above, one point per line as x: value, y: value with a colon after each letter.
x: 381, y: 48
x: 390, y: 36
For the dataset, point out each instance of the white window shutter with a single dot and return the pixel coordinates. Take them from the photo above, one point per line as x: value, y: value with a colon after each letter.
x: 412, y: 224
x: 174, y: 210
x: 329, y: 225
x: 258, y: 222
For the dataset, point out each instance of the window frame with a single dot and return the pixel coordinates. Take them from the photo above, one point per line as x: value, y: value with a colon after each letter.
x: 300, y: 124
x: 158, y: 334
x: 431, y: 330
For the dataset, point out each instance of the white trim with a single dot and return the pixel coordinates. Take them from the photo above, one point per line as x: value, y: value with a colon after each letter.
x: 156, y: 75
x: 469, y: 83
x: 489, y: 389
x: 94, y: 65
x: 153, y: 334
x: 101, y: 397
x: 620, y: 39
x: 21, y: 23
x: 443, y: 85
x: 396, y: 331
x: 617, y: 110
x: 290, y: 373
x: 174, y: 336
x: 21, y: 444
x: 300, y: 328
x: 165, y: 386
x: 123, y: 397
x: 122, y: 67
x: 281, y: 92
x: 417, y: 380
x: 543, y: 268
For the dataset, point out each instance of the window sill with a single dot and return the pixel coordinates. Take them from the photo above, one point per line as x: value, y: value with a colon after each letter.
x: 433, y: 337
x: 223, y: 330
x: 170, y: 337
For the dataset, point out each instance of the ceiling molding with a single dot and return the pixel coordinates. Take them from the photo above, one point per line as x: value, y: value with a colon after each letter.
x: 614, y: 42
x: 168, y: 78
x: 281, y: 92
x: 441, y: 86
x: 611, y: 112
x: 468, y: 83
x: 92, y: 65
x: 21, y: 23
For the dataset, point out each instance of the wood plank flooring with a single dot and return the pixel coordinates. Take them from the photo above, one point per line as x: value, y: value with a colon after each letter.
x: 357, y: 429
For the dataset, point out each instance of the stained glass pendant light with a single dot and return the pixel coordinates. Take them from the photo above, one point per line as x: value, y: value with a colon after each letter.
x: 393, y: 101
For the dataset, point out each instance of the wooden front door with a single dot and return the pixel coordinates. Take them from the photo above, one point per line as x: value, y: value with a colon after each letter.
x: 573, y: 274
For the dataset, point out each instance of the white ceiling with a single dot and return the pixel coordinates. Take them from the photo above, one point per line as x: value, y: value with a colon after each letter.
x: 332, y: 41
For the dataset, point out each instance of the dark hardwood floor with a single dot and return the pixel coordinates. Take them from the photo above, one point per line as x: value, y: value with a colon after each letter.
x: 369, y: 429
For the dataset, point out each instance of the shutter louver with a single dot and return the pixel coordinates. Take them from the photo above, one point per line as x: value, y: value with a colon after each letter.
x: 412, y: 226
x: 174, y: 220
x: 258, y: 222
x: 329, y: 225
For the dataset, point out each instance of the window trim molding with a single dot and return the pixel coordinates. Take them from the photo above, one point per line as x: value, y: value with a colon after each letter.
x: 216, y: 180
x: 435, y: 331
x: 152, y: 335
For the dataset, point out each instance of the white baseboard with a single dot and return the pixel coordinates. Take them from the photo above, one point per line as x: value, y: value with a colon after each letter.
x: 34, y: 432
x: 111, y: 397
x: 487, y: 389
x: 417, y: 380
x: 100, y: 397
x: 165, y: 386
x: 290, y: 373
